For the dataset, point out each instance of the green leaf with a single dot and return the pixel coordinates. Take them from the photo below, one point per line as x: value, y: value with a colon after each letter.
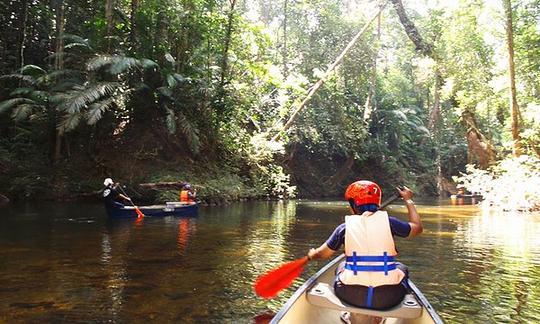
x: 22, y: 111
x: 96, y: 110
x: 70, y: 122
x: 171, y: 121
x: 13, y: 103
x: 32, y: 70
x: 78, y: 99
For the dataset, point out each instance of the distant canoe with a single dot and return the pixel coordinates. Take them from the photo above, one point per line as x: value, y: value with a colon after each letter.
x: 315, y: 302
x: 169, y: 209
x: 466, y: 196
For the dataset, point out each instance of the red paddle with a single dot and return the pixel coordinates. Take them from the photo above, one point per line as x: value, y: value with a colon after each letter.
x: 271, y: 283
x: 137, y: 210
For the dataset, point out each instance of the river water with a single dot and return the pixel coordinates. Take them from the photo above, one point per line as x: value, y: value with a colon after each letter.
x: 67, y: 263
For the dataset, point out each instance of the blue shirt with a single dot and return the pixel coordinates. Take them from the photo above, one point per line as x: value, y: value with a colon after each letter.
x: 398, y: 228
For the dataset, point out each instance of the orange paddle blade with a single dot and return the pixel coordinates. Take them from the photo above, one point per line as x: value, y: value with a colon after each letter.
x: 271, y: 283
x: 139, y: 212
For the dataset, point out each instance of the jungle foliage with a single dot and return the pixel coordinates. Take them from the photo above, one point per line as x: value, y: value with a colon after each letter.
x: 162, y: 89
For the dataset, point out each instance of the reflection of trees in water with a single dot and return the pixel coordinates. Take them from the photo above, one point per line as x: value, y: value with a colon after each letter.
x: 268, y: 242
x: 501, y: 253
x: 114, y: 246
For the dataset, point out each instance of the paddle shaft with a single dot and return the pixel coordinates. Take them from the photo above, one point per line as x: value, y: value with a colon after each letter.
x: 390, y: 200
x: 139, y: 212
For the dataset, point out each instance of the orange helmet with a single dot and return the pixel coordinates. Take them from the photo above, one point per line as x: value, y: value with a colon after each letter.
x: 364, y: 192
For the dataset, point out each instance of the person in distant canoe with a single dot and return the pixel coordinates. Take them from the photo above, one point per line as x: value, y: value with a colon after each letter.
x: 111, y: 196
x: 187, y: 194
x: 370, y: 277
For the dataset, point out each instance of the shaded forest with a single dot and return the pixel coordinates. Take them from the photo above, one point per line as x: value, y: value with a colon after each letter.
x: 242, y: 99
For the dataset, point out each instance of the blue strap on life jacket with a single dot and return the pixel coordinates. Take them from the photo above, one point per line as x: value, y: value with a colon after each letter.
x: 369, y: 299
x: 352, y: 263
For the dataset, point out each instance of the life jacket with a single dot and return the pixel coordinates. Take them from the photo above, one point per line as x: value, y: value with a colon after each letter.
x: 370, y: 251
x: 185, y: 197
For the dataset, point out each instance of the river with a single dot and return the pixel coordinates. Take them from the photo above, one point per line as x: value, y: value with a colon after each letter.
x: 67, y: 263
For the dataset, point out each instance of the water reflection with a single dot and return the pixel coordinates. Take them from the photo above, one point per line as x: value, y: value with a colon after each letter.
x: 186, y: 228
x: 268, y: 240
x: 501, y: 255
x: 64, y: 263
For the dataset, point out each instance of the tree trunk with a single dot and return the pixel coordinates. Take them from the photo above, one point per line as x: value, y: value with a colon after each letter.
x: 479, y: 149
x: 133, y: 26
x: 322, y: 80
x: 163, y: 185
x: 58, y: 65
x: 284, y: 52
x: 227, y: 44
x: 109, y: 6
x: 337, y: 177
x: 369, y: 106
x: 514, y: 107
x: 421, y: 46
x: 427, y: 49
x: 22, y: 32
x: 435, y: 113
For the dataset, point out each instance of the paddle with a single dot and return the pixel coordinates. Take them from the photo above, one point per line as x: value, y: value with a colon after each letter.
x: 137, y: 210
x: 271, y: 283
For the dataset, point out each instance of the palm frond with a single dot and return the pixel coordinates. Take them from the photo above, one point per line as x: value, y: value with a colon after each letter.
x: 80, y: 98
x: 96, y: 110
x: 190, y: 131
x: 171, y: 121
x: 69, y: 122
x: 147, y: 64
x: 32, y: 70
x: 18, y: 77
x: 21, y: 92
x: 22, y: 111
x: 124, y: 64
x: 60, y: 75
x: 70, y: 38
x: 100, y: 62
x: 118, y: 64
x: 13, y: 103
x: 81, y: 46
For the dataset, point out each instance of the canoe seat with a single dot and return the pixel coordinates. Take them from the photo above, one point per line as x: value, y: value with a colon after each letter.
x: 322, y: 295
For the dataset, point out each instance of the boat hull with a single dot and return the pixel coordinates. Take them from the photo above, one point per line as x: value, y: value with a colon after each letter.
x: 303, y: 308
x: 169, y: 209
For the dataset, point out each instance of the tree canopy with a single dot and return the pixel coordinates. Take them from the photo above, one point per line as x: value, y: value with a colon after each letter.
x: 160, y: 89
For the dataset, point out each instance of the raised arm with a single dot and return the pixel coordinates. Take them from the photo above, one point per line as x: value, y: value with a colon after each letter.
x: 414, y: 218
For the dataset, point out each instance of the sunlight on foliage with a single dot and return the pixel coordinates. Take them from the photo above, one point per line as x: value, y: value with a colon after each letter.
x: 512, y: 184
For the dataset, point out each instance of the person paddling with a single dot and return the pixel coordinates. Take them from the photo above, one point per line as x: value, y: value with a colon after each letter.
x: 111, y: 196
x: 370, y: 277
x: 187, y: 194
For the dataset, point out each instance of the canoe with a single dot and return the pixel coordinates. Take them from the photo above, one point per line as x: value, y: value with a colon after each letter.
x: 315, y: 302
x: 466, y: 196
x: 169, y: 209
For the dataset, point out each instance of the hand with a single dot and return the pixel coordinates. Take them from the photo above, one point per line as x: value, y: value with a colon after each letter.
x: 312, y: 252
x: 405, y: 193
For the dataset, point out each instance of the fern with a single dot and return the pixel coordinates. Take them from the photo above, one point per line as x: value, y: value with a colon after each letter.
x: 70, y: 122
x: 78, y: 99
x: 96, y: 110
x: 190, y: 132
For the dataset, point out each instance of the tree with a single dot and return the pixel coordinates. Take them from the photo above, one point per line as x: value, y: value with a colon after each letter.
x: 514, y: 107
